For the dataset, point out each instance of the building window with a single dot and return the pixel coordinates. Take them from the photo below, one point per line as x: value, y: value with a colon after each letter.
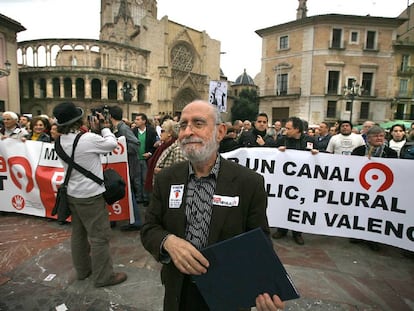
x: 399, y: 114
x: 80, y: 88
x: 354, y: 37
x: 403, y: 87
x: 405, y: 63
x: 364, y: 112
x: 67, y: 86
x: 367, y: 81
x: 331, y: 109
x: 336, y: 38
x: 282, y: 84
x: 370, y: 43
x: 56, y: 87
x: 333, y: 82
x: 412, y: 113
x: 182, y: 58
x: 283, y: 42
x: 42, y: 88
x: 31, y: 88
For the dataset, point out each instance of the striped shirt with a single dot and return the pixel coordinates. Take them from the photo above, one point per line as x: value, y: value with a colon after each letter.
x: 199, y: 205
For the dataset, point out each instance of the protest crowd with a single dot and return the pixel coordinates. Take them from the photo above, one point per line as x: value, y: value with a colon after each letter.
x: 156, y: 143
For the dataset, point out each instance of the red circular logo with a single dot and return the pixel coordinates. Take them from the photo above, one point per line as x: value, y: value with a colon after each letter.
x: 389, y: 176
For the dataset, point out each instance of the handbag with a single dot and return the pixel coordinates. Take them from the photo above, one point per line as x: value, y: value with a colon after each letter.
x: 113, y: 182
x: 61, y: 207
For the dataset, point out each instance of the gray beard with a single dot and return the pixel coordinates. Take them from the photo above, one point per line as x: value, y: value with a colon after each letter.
x: 201, y: 154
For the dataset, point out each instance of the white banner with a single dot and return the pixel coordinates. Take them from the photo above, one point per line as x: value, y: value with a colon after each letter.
x: 31, y: 172
x: 347, y: 196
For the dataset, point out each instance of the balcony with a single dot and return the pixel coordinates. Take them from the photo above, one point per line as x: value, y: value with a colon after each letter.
x: 372, y: 47
x: 406, y: 71
x: 290, y: 92
x: 337, y: 45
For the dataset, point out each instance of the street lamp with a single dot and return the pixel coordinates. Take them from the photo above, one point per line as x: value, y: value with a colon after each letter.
x: 352, y: 90
x: 4, y: 72
x: 128, y: 93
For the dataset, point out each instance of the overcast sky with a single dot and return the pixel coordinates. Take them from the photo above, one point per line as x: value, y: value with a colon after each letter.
x: 233, y: 22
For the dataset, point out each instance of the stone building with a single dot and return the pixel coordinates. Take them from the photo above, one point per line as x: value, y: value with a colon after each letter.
x: 403, y: 103
x: 307, y: 62
x: 9, y: 76
x: 139, y: 62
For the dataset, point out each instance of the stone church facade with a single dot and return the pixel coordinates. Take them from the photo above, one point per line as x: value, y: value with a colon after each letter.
x: 139, y: 62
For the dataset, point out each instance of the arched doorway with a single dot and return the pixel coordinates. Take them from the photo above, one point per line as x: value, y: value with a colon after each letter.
x: 184, y: 97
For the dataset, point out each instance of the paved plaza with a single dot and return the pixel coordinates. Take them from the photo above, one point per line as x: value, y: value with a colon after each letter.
x: 330, y: 273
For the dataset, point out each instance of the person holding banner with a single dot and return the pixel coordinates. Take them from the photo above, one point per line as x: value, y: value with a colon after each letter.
x: 375, y: 147
x: 345, y: 141
x: 90, y: 220
x: 200, y: 202
x: 294, y: 139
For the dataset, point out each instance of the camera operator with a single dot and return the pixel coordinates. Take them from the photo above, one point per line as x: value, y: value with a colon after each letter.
x: 90, y: 222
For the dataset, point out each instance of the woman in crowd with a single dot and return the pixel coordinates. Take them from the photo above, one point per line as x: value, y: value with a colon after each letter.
x: 397, y: 137
x: 39, y: 128
x: 54, y: 134
x: 173, y: 153
x: 166, y: 141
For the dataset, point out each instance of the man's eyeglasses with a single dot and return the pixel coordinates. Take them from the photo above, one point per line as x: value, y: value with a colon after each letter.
x: 194, y: 125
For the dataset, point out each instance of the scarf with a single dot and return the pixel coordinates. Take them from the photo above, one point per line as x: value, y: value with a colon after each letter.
x: 153, y: 161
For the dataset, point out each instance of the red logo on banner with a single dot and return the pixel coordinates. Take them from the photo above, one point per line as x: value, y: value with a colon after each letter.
x: 48, y: 178
x: 21, y: 173
x: 389, y: 176
x: 18, y: 202
x: 120, y: 149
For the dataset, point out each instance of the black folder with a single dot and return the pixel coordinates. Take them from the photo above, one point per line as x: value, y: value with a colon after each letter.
x: 240, y: 269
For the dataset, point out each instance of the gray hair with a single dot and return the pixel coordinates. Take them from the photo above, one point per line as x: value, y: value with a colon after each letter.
x: 375, y: 130
x: 172, y: 127
x: 12, y: 115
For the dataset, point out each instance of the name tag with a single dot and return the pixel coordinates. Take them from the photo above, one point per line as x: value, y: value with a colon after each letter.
x: 309, y: 145
x: 225, y: 201
x: 176, y: 196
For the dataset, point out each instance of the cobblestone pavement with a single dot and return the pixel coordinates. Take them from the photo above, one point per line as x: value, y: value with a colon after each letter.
x: 330, y: 273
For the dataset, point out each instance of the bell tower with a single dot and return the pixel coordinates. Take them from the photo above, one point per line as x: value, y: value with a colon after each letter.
x: 301, y: 10
x: 121, y: 20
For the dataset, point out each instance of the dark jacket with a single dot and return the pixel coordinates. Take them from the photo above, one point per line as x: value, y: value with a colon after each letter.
x: 228, y: 144
x: 407, y: 151
x: 150, y: 138
x: 132, y: 147
x: 322, y: 142
x: 386, y: 153
x: 233, y: 181
x: 304, y: 142
x: 44, y: 137
x: 248, y: 139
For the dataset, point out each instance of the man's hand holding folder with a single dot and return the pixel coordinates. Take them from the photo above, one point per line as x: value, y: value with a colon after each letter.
x: 185, y: 256
x: 244, y: 271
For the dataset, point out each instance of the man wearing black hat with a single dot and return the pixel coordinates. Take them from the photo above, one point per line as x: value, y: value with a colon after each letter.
x: 90, y: 224
x: 345, y: 141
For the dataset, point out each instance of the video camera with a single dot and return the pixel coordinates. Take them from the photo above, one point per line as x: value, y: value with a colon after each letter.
x: 104, y: 111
